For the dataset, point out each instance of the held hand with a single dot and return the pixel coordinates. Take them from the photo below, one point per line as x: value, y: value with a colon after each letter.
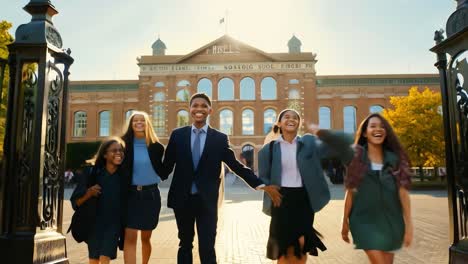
x: 94, y: 190
x: 345, y: 231
x: 408, y: 238
x: 273, y: 192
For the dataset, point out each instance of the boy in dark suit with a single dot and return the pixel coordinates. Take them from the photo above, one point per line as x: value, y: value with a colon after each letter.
x: 198, y: 151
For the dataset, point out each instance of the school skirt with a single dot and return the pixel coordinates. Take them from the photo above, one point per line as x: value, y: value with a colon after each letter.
x: 144, y: 206
x: 292, y: 220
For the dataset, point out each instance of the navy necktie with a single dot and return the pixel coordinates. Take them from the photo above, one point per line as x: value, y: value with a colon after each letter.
x: 196, y: 151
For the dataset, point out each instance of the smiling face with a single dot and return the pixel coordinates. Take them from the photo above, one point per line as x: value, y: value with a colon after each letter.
x: 114, y: 154
x: 138, y: 123
x: 375, y: 132
x: 199, y: 110
x: 289, y: 122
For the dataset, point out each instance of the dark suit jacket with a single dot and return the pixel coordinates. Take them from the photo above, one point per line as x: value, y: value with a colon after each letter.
x: 208, y: 174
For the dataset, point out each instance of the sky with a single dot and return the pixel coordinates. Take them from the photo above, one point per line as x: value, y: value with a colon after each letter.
x: 349, y: 37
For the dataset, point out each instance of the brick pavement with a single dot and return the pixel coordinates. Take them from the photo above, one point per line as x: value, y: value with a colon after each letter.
x: 243, y: 231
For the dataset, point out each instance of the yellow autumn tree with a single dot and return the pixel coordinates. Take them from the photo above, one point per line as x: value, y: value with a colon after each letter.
x: 5, y: 39
x: 417, y: 121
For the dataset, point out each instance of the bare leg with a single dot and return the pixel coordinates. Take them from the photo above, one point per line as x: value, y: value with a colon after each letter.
x: 145, y: 245
x: 388, y: 257
x: 93, y: 261
x: 130, y: 245
x: 375, y: 256
x: 104, y: 260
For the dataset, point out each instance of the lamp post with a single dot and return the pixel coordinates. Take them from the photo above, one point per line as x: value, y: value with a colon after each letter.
x: 454, y: 87
x: 31, y: 195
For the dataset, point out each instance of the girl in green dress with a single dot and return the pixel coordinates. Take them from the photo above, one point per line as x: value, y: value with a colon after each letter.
x: 377, y: 205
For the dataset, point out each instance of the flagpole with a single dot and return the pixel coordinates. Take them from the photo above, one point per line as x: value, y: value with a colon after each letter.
x: 225, y: 23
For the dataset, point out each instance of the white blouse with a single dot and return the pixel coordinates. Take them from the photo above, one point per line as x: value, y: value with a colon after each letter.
x: 290, y: 175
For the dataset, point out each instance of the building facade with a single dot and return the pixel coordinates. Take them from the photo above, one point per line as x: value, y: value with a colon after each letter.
x: 248, y: 87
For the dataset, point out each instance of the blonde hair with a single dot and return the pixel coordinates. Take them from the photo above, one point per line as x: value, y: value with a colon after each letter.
x: 150, y: 135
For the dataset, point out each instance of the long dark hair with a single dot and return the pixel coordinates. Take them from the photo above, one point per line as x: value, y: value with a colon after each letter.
x: 276, y: 128
x: 98, y: 159
x: 357, y: 168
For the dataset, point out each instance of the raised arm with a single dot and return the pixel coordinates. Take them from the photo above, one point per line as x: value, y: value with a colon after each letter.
x: 335, y: 144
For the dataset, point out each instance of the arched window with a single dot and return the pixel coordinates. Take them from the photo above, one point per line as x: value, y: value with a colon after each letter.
x: 159, y: 97
x: 183, y: 83
x: 104, y: 123
x: 247, y: 122
x: 294, y: 94
x: 247, y: 89
x: 205, y: 86
x: 349, y: 119
x: 159, y: 120
x: 268, y: 88
x: 375, y: 109
x: 129, y: 113
x: 159, y: 84
x: 324, y: 117
x: 226, y: 120
x: 225, y: 89
x: 80, y: 122
x: 269, y: 119
x: 182, y: 118
x: 294, y: 81
x: 183, y: 95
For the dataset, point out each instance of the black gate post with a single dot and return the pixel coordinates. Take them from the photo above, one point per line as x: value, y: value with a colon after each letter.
x: 454, y: 91
x: 31, y: 179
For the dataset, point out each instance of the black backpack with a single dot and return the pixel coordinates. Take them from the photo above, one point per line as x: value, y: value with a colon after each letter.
x: 84, y: 218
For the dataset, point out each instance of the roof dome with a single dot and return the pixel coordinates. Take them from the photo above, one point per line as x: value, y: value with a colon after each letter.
x: 159, y: 48
x: 294, y: 41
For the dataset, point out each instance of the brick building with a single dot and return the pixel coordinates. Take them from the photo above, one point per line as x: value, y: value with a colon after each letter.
x: 248, y: 88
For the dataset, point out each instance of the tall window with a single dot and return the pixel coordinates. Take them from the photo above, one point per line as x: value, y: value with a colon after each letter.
x: 269, y: 118
x: 183, y: 83
x: 226, y: 120
x: 268, y: 88
x: 225, y: 89
x: 375, y: 109
x: 349, y: 119
x: 205, y: 86
x: 159, y: 119
x: 159, y: 97
x: 324, y: 117
x: 104, y: 123
x: 294, y: 94
x: 79, y: 128
x: 159, y: 114
x: 247, y: 122
x: 183, y: 95
x: 182, y: 118
x: 247, y: 89
x: 159, y: 84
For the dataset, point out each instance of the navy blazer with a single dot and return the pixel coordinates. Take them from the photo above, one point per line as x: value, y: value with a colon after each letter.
x: 208, y: 174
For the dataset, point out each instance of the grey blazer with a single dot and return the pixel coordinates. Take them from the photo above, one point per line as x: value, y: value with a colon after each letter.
x: 310, y: 151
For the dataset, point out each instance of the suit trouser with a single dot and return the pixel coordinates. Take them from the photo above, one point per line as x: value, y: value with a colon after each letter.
x: 206, y: 219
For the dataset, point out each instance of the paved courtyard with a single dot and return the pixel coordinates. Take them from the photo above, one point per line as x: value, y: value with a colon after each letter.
x: 243, y: 231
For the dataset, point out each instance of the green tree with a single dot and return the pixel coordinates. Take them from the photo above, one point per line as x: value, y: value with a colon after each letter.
x: 5, y: 39
x: 417, y: 121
